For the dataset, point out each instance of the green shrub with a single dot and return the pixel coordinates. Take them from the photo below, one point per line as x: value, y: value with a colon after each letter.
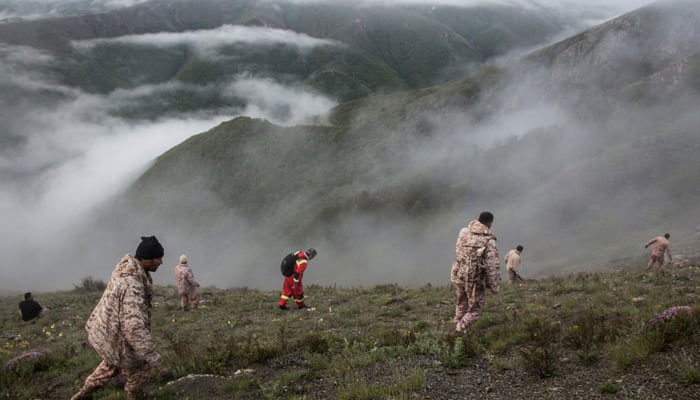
x: 539, y: 354
x: 608, y: 388
x: 90, y: 284
x: 655, y: 338
x: 396, y: 337
x: 314, y: 343
x: 402, y: 384
x: 685, y: 369
x: 460, y: 350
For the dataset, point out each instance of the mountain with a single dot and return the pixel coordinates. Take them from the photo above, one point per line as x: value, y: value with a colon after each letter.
x: 377, y: 48
x: 580, y: 169
x: 627, y: 49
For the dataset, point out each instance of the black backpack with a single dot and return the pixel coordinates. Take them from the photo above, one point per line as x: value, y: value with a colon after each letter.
x: 288, y: 263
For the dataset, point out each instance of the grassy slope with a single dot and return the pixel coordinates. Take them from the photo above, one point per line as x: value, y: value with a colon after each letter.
x: 580, y: 336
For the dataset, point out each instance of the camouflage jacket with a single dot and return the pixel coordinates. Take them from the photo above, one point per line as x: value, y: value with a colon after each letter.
x: 119, y: 327
x: 184, y: 279
x: 477, y: 257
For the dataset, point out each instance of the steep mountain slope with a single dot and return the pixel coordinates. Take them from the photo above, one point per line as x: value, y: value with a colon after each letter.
x: 596, y: 177
x: 384, y: 48
x: 626, y: 49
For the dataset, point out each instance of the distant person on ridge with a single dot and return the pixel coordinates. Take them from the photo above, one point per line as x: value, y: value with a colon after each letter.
x: 512, y: 261
x: 662, y: 245
x: 293, y: 267
x: 119, y: 328
x: 475, y: 269
x: 30, y: 309
x: 186, y: 285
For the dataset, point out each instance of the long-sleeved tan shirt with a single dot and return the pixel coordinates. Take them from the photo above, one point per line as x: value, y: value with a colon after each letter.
x: 512, y: 260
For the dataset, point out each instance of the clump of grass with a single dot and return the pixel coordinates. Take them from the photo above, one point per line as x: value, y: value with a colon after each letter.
x: 392, y: 289
x: 655, y: 338
x: 255, y: 350
x: 421, y: 325
x: 403, y: 385
x: 315, y: 343
x: 590, y: 329
x: 90, y: 284
x: 685, y: 369
x: 608, y: 388
x: 238, y: 384
x: 460, y: 350
x: 500, y: 365
x: 396, y: 337
x: 539, y: 354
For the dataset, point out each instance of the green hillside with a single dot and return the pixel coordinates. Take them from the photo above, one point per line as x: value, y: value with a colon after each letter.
x: 384, y: 48
x: 585, y: 335
x: 607, y: 176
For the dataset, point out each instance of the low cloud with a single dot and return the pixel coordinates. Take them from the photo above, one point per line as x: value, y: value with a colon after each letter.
x: 70, y: 151
x: 281, y: 104
x: 209, y: 41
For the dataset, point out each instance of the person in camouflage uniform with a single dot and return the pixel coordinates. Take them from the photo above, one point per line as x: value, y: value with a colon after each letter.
x: 119, y: 328
x: 475, y: 269
x: 186, y: 285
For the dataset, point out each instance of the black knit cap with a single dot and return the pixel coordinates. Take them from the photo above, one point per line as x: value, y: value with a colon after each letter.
x: 149, y: 248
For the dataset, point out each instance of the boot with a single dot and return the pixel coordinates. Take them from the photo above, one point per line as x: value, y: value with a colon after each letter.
x: 283, y: 307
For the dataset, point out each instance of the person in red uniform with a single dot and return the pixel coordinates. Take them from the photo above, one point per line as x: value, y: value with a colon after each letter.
x: 292, y: 285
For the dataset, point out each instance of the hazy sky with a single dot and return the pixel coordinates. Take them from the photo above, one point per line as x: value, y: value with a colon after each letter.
x: 613, y: 4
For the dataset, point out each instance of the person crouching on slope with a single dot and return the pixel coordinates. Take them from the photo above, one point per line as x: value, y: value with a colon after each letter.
x: 186, y: 285
x: 475, y: 269
x: 292, y: 285
x: 661, y: 246
x: 119, y: 328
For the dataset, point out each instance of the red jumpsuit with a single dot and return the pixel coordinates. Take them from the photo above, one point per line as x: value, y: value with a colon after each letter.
x: 292, y: 286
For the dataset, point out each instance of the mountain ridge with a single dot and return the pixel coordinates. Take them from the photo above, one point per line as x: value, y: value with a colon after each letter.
x: 397, y: 126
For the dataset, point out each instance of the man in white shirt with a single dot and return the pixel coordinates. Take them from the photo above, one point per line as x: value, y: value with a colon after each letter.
x: 512, y: 261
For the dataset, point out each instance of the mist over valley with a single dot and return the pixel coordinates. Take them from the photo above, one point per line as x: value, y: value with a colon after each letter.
x: 236, y: 131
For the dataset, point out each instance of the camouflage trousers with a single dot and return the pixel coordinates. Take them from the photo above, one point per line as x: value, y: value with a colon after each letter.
x: 471, y: 297
x: 188, y: 299
x: 136, y: 379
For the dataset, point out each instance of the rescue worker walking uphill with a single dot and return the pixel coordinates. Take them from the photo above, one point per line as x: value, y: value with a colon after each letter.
x: 293, y: 285
x: 475, y: 269
x: 119, y: 328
